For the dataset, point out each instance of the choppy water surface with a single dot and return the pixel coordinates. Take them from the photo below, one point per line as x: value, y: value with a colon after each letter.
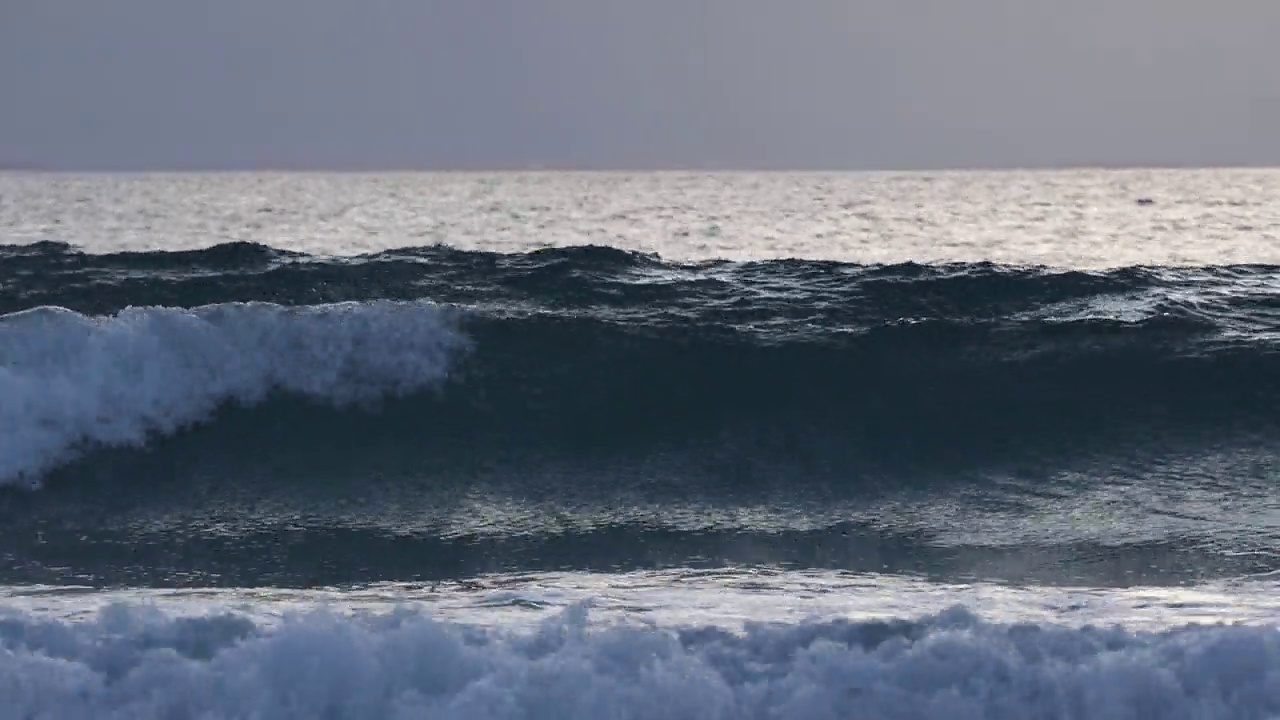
x: 632, y: 413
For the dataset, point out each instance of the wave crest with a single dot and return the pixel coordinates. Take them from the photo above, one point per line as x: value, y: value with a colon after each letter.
x: 69, y: 380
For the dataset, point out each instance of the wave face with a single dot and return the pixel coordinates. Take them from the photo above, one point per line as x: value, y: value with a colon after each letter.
x: 137, y: 664
x: 895, y: 364
x: 591, y: 382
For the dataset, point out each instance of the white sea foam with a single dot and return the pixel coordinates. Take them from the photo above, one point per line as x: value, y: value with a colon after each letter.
x: 141, y: 662
x: 68, y: 381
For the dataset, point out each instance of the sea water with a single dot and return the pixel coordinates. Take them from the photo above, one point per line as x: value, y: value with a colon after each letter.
x: 952, y: 445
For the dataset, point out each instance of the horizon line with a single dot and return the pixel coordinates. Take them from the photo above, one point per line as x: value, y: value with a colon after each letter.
x: 552, y: 169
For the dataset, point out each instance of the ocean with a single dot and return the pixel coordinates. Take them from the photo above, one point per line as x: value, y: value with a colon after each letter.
x: 652, y: 446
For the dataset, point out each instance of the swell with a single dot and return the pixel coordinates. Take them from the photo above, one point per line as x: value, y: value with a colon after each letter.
x: 439, y: 411
x: 591, y: 352
x: 915, y: 395
x: 625, y: 284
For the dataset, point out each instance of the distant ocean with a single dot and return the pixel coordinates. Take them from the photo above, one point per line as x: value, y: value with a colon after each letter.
x: 652, y: 446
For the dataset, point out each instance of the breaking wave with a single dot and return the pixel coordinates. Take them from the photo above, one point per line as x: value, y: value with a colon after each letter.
x: 142, y: 663
x: 70, y: 382
x: 565, y: 352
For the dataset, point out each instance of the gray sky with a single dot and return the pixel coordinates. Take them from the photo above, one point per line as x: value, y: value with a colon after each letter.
x: 461, y: 84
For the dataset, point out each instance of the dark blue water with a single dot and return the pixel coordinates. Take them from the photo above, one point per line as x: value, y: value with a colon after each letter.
x: 243, y: 415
